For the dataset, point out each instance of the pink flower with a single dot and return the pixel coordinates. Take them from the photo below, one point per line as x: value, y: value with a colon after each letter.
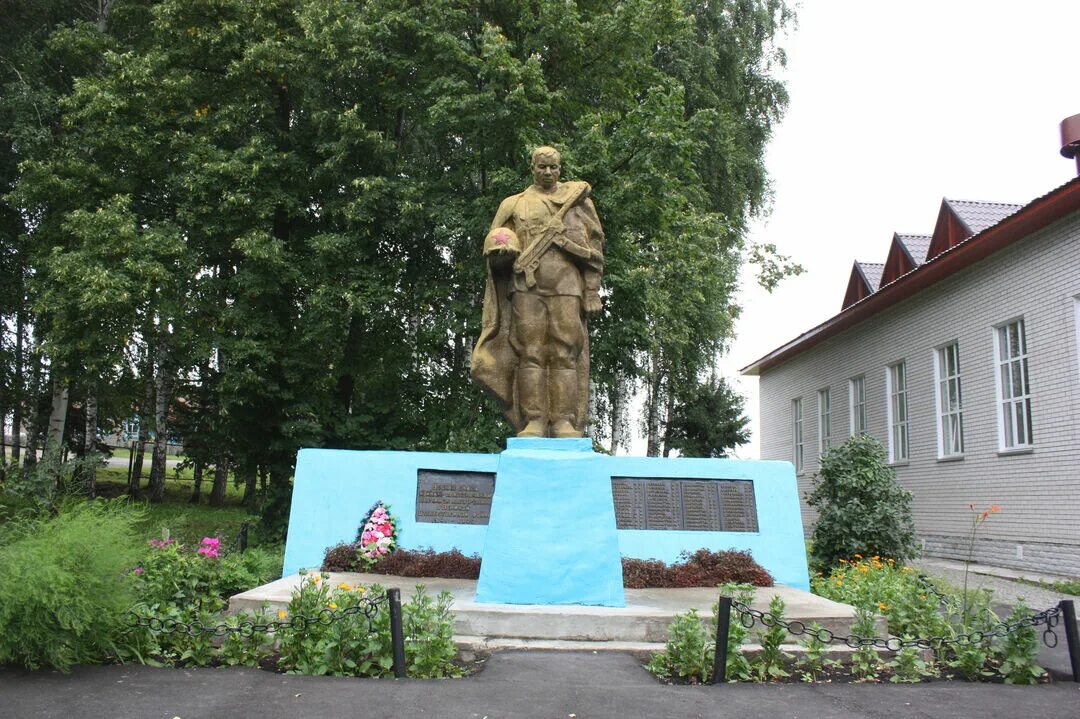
x: 138, y: 570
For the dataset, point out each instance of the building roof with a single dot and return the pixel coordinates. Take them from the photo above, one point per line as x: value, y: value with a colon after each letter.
x: 916, y: 246
x: 980, y: 215
x: 872, y: 272
x: 1012, y: 223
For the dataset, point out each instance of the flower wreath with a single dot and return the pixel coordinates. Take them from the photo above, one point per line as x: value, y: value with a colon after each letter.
x: 378, y: 534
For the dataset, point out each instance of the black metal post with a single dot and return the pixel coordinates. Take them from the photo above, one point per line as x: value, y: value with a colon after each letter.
x: 1068, y: 612
x: 243, y: 537
x: 397, y: 633
x: 723, y: 624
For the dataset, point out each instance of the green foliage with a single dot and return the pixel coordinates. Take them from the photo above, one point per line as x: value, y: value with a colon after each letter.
x: 865, y: 663
x: 709, y: 421
x: 686, y: 656
x: 814, y: 658
x: 972, y: 613
x: 690, y: 651
x: 1020, y: 650
x: 738, y: 666
x: 769, y: 663
x: 278, y: 206
x: 908, y: 666
x: 877, y: 585
x: 246, y: 648
x: 861, y: 509
x: 66, y: 591
x: 348, y: 646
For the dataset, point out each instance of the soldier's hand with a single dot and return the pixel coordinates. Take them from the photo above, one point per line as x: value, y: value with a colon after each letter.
x: 593, y: 303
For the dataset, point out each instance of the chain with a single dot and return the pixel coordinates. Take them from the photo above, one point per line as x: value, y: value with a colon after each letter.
x: 240, y: 540
x: 1049, y: 617
x: 368, y: 607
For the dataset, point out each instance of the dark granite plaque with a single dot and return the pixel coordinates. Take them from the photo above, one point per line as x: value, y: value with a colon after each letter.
x: 738, y: 506
x: 451, y: 497
x: 699, y: 505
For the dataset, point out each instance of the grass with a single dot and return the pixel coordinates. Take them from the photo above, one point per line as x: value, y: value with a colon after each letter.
x: 1065, y: 586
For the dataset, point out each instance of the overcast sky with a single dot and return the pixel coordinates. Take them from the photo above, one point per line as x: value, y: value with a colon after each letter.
x: 893, y: 107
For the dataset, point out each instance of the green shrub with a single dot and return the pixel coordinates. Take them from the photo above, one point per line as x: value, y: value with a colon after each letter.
x: 349, y: 646
x: 769, y: 663
x: 65, y: 587
x: 860, y: 507
x: 1020, y: 649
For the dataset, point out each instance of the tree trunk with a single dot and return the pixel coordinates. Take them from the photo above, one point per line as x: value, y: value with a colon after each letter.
x: 90, y: 443
x: 652, y: 409
x: 196, y: 491
x: 262, y: 479
x: 58, y: 418
x: 221, y: 481
x: 17, y: 390
x: 144, y: 422
x: 251, y: 477
x: 618, y: 403
x: 163, y: 387
x: 36, y: 415
x: 669, y: 409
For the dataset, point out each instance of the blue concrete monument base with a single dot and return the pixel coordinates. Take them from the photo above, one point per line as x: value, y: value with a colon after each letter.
x: 551, y: 537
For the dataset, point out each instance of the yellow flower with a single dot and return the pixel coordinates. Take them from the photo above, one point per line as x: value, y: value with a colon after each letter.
x: 361, y: 589
x: 346, y: 587
x: 863, y: 568
x: 858, y: 556
x: 883, y: 606
x: 839, y: 583
x: 282, y: 614
x: 333, y: 606
x: 907, y: 569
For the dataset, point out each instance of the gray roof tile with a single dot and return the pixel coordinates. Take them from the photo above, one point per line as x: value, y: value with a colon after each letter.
x: 980, y: 215
x: 916, y: 245
x: 872, y: 271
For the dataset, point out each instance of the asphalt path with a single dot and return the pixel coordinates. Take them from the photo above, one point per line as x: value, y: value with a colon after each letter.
x: 544, y: 685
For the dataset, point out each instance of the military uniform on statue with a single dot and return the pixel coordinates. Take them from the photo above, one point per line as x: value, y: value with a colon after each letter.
x: 545, y: 253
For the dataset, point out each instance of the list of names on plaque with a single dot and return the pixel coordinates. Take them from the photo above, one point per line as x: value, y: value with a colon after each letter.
x: 452, y: 497
x: 698, y: 505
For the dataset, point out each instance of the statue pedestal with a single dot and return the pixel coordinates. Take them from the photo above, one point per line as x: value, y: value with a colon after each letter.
x: 551, y: 537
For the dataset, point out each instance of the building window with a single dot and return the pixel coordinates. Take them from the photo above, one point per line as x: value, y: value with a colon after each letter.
x: 896, y: 387
x: 949, y: 401
x: 824, y: 421
x: 857, y: 405
x: 799, y: 447
x: 1014, y: 394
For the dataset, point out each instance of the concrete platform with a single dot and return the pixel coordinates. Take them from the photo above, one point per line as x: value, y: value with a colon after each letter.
x: 639, y: 626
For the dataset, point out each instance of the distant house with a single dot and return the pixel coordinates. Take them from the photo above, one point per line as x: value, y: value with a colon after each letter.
x: 961, y: 353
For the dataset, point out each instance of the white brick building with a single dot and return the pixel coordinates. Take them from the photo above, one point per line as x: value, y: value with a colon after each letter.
x: 963, y: 360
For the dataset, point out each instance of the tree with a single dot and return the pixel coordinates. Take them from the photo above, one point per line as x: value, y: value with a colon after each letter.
x: 861, y: 509
x: 284, y: 202
x: 709, y: 422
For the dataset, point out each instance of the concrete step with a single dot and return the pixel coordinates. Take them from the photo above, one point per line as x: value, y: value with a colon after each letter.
x: 640, y: 625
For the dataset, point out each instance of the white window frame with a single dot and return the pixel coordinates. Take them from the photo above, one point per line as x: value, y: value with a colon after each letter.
x: 899, y: 422
x: 949, y: 401
x: 1014, y: 410
x: 857, y: 423
x: 798, y: 435
x: 824, y: 398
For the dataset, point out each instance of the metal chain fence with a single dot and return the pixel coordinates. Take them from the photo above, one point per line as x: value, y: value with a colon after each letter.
x: 368, y: 607
x: 748, y: 617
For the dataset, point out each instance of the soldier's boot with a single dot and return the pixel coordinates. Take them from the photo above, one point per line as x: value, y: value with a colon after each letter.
x: 563, y: 394
x: 532, y: 399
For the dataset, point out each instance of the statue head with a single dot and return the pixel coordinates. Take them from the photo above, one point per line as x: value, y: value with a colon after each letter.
x: 546, y: 165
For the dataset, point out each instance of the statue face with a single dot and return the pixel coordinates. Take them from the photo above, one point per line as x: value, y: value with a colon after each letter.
x: 545, y: 171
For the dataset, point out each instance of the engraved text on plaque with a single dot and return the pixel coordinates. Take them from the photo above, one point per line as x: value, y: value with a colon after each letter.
x: 452, y: 497
x: 699, y: 505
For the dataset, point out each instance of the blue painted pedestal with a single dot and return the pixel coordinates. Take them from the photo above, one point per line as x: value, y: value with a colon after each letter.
x: 551, y: 538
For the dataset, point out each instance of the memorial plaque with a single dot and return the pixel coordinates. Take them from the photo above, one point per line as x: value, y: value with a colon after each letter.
x: 698, y: 505
x: 629, y: 496
x: 451, y: 497
x: 738, y: 506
